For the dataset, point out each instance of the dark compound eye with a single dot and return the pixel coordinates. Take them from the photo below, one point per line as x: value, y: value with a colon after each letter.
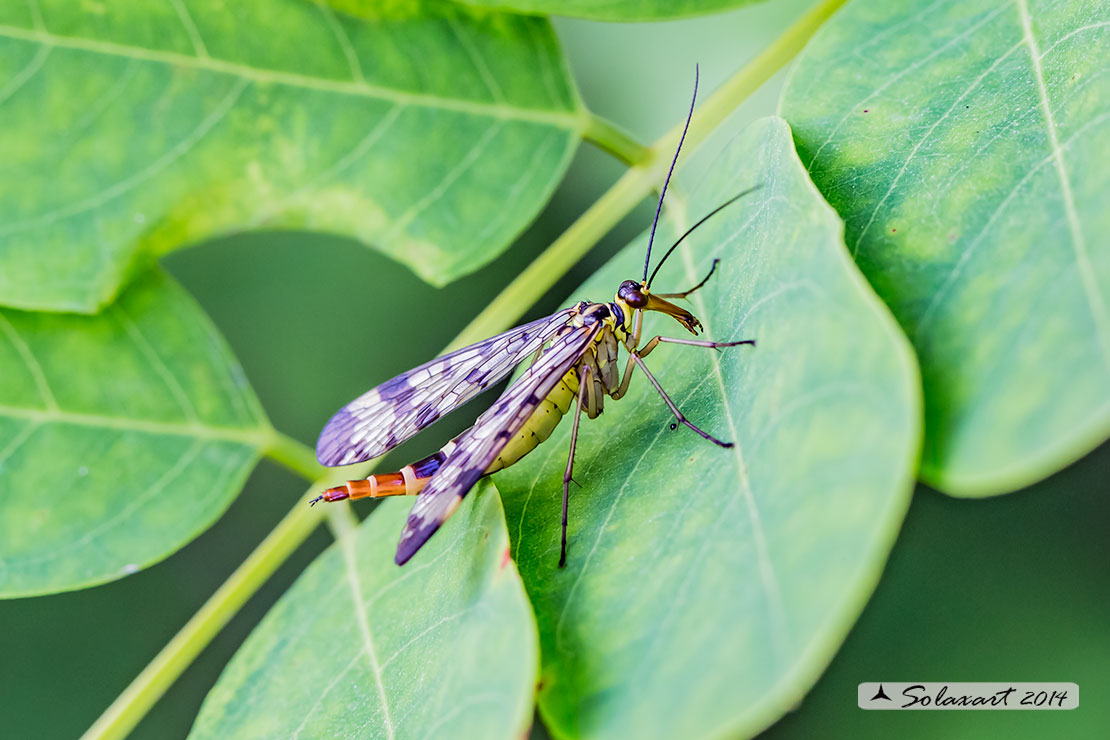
x: 630, y: 293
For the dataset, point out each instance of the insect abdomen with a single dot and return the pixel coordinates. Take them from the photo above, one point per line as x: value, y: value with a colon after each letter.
x: 408, y: 481
x: 541, y: 423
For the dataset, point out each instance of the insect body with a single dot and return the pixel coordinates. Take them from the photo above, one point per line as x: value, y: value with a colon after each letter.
x: 575, y: 365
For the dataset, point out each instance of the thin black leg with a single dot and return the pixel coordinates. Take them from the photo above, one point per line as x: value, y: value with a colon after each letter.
x: 568, y: 474
x: 678, y: 415
x: 656, y: 341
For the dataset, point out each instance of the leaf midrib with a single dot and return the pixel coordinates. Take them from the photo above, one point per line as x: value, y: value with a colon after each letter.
x: 1095, y: 301
x: 570, y: 120
x: 256, y: 436
x: 344, y: 530
x: 769, y: 577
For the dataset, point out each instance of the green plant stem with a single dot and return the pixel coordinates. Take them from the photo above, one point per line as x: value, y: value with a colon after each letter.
x: 137, y: 699
x: 126, y: 711
x: 634, y: 185
x: 295, y: 456
x: 610, y: 137
x: 519, y: 295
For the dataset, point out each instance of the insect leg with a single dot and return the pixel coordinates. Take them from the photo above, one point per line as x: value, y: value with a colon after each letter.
x: 678, y: 415
x: 590, y: 373
x: 626, y: 378
x: 655, y: 341
x: 685, y: 293
x: 630, y: 344
x: 537, y: 355
x: 584, y: 383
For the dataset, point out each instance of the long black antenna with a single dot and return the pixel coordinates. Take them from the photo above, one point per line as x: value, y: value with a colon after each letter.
x: 662, y: 195
x: 701, y: 221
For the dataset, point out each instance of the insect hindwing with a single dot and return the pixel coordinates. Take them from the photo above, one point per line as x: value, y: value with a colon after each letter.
x: 477, y: 448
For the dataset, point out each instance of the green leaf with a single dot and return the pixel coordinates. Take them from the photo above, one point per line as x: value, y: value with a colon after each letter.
x: 130, y: 129
x: 614, y: 10
x: 359, y: 647
x: 707, y: 588
x: 965, y: 145
x: 122, y: 436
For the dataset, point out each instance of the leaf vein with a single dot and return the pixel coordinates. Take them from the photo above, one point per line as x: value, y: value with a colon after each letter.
x: 560, y: 641
x: 17, y: 441
x: 343, y: 40
x: 478, y: 60
x: 123, y: 186
x: 1095, y: 301
x: 921, y: 142
x: 251, y: 437
x: 913, y: 67
x: 570, y: 120
x: 445, y: 184
x: 768, y: 577
x: 540, y: 468
x: 350, y: 565
x: 677, y: 602
x: 36, y: 15
x: 339, y: 166
x: 24, y: 75
x: 546, y: 71
x: 190, y: 28
x: 531, y: 172
x: 133, y: 505
x: 104, y: 101
x: 156, y: 363
x: 325, y: 691
x: 411, y: 572
x: 458, y: 708
x: 804, y: 401
x: 1073, y: 32
x: 416, y: 638
x: 942, y: 292
x: 31, y: 362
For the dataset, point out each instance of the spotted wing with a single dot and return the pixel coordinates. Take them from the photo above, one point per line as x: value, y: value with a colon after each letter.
x: 386, y: 416
x: 480, y: 445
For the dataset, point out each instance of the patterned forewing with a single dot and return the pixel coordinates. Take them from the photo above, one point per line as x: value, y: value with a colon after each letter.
x: 386, y: 416
x: 477, y: 448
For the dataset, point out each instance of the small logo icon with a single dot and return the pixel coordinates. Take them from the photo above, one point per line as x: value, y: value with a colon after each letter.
x: 880, y: 694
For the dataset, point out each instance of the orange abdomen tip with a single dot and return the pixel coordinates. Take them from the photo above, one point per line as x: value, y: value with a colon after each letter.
x: 406, y: 482
x: 333, y: 494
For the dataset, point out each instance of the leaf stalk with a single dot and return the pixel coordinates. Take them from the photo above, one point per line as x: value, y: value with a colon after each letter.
x: 608, y: 136
x: 137, y: 699
x: 297, y: 457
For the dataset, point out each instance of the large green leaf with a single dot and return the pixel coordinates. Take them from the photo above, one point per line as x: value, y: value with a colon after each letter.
x: 965, y: 143
x: 707, y: 588
x: 122, y: 436
x: 359, y: 647
x: 129, y: 129
x: 614, y: 10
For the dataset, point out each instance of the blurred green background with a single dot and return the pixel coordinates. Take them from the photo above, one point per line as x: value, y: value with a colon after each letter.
x: 1014, y: 588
